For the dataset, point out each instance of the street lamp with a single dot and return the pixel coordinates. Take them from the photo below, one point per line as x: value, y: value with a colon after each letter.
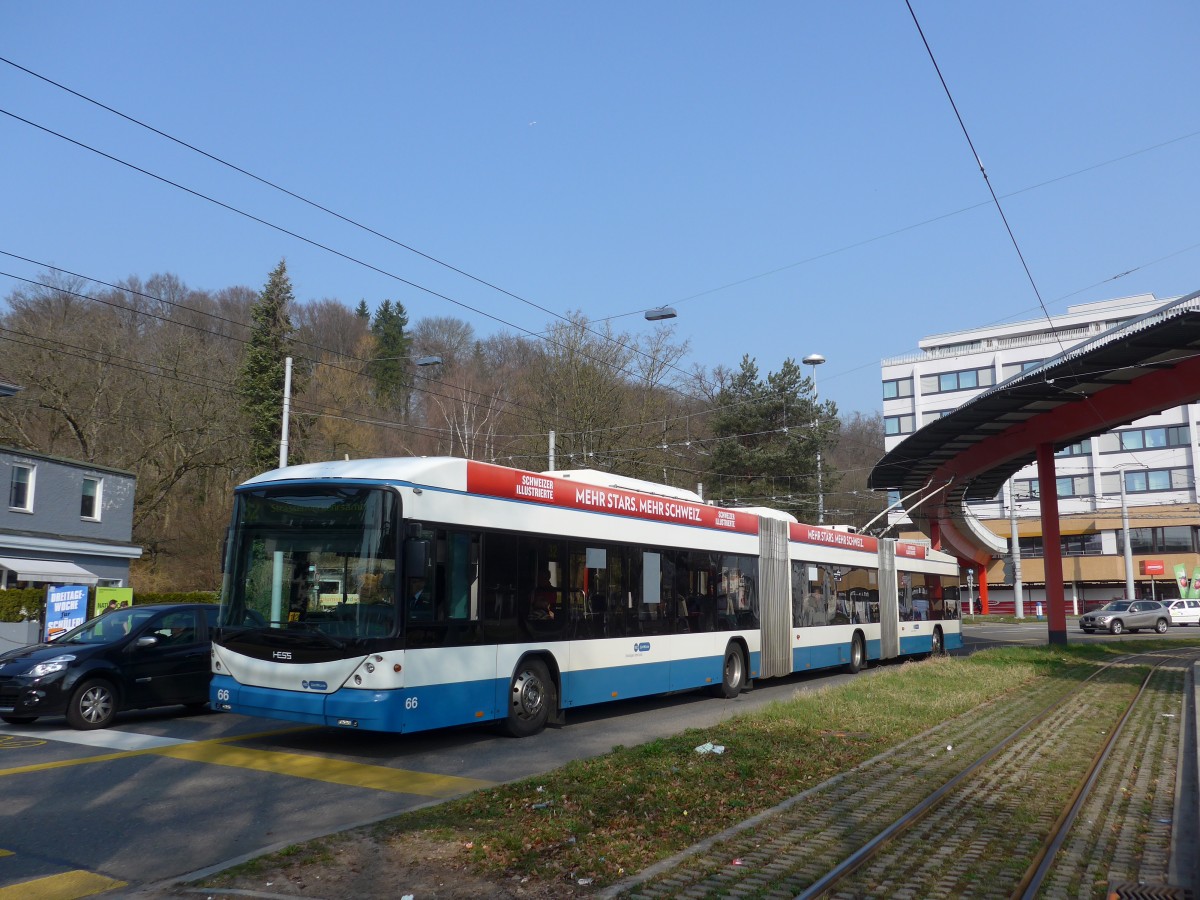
x: 663, y: 312
x: 814, y: 360
x: 1129, y: 594
x: 416, y: 360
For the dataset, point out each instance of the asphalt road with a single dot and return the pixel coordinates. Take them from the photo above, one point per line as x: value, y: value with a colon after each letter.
x: 165, y: 793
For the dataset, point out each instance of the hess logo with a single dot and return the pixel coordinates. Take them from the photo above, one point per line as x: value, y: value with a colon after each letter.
x: 281, y: 654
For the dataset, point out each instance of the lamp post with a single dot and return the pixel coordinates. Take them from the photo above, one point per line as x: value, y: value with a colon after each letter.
x: 814, y: 360
x: 1129, y: 594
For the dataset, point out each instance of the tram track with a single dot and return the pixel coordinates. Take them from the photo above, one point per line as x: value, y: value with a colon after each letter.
x: 1013, y: 800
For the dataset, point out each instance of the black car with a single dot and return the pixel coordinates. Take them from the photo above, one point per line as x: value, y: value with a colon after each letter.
x: 131, y: 658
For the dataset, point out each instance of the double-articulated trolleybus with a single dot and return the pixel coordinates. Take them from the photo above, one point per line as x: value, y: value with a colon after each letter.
x: 407, y: 594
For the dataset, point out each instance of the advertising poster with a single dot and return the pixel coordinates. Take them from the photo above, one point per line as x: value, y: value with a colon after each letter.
x: 66, y: 607
x: 110, y: 598
x: 1181, y: 579
x: 1195, y: 595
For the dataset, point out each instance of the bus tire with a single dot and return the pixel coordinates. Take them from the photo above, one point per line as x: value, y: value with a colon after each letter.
x: 733, y: 673
x: 939, y: 642
x: 858, y: 655
x: 530, y: 696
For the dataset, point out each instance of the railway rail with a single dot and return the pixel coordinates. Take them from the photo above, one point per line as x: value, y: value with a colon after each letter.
x: 1067, y: 790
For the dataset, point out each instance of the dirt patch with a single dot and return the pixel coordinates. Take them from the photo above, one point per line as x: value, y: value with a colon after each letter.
x: 369, y: 866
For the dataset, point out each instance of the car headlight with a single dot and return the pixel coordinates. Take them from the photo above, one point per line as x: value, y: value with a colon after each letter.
x: 1103, y: 618
x: 50, y: 666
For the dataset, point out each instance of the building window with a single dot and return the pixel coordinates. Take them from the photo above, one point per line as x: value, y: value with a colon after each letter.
x: 1067, y: 485
x: 933, y: 416
x: 20, y: 489
x: 89, y: 503
x: 898, y: 387
x: 1070, y: 545
x: 898, y: 424
x: 965, y: 380
x: 1153, y: 438
x: 1011, y: 369
x: 1083, y: 448
x: 1168, y: 539
x: 1144, y: 481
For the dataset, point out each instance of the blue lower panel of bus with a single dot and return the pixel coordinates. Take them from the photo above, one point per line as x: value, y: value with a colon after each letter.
x: 459, y: 703
x: 435, y: 706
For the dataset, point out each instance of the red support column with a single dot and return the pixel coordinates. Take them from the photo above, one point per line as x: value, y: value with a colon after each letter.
x: 1051, y: 544
x: 935, y: 533
x: 981, y: 578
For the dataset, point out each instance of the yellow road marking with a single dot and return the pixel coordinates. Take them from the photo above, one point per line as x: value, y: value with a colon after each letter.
x: 67, y: 886
x: 316, y: 768
x: 6, y: 853
x: 127, y: 754
x: 16, y: 742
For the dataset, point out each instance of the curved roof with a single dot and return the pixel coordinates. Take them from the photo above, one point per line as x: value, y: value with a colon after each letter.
x: 1134, y: 369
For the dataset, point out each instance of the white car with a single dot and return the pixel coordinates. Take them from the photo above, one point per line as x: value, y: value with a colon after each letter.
x: 1184, y: 612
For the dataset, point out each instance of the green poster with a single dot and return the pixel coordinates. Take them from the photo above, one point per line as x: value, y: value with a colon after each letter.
x: 1181, y: 579
x: 110, y: 598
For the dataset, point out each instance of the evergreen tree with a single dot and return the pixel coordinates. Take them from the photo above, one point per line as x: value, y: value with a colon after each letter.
x: 769, y: 433
x: 390, y: 369
x: 260, y: 381
x: 363, y: 312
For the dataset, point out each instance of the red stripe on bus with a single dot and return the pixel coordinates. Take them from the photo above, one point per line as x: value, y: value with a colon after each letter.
x: 514, y: 484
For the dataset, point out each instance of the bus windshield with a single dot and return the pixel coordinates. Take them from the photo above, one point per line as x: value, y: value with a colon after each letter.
x: 316, y: 558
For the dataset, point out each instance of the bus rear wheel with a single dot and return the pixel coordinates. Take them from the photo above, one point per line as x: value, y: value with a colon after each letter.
x: 858, y: 655
x: 529, y: 697
x: 939, y: 643
x: 733, y: 674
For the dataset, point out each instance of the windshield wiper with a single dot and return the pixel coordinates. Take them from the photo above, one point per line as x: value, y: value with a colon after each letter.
x: 312, y: 629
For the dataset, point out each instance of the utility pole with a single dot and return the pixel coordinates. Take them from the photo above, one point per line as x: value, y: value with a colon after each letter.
x: 287, y: 406
x: 1015, y: 545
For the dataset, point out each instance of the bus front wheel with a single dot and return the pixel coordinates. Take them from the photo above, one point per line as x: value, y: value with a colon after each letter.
x: 529, y: 699
x: 939, y: 643
x: 733, y: 673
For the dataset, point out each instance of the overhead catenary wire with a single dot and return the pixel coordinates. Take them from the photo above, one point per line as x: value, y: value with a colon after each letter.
x: 484, y: 282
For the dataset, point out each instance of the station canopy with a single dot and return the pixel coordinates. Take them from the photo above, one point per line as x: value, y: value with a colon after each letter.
x: 1134, y: 369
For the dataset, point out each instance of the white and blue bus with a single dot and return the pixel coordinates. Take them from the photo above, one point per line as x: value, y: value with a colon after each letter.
x: 406, y: 594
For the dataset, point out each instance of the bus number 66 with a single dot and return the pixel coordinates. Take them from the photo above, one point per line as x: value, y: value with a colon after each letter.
x: 410, y: 702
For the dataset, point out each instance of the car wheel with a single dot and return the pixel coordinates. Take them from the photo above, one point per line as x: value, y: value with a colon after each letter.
x: 93, y: 705
x: 1116, y: 627
x: 530, y: 695
x: 1161, y: 626
x: 858, y: 655
x: 19, y: 720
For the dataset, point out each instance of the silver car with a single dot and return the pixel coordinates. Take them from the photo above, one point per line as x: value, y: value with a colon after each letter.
x: 1118, y: 616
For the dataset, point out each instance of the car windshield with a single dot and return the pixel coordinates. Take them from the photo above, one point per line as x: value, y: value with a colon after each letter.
x: 106, y: 628
x: 1116, y: 606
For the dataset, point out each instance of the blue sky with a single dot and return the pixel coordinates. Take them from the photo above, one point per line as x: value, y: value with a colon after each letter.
x: 789, y: 176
